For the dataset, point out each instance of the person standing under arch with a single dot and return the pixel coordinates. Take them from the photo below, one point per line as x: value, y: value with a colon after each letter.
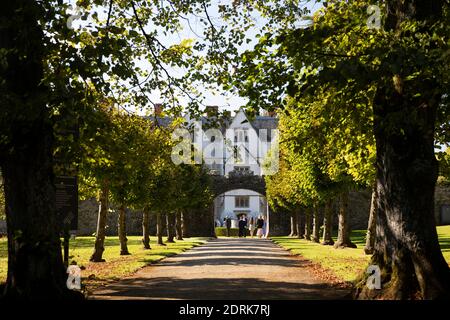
x: 242, y: 226
x: 251, y: 226
x: 259, y: 227
x: 228, y: 225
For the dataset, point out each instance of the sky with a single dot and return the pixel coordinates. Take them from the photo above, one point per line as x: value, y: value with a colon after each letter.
x: 225, y: 100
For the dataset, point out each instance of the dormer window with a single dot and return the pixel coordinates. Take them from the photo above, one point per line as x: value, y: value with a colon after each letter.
x: 240, y: 135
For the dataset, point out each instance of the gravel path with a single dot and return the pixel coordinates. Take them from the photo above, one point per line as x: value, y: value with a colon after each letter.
x: 225, y: 269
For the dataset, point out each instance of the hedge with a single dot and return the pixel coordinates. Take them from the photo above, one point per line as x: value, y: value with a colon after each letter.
x: 222, y: 232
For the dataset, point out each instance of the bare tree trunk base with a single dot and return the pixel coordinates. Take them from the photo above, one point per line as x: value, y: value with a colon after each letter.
x: 368, y: 250
x: 406, y: 279
x: 342, y: 245
x: 96, y: 258
x: 146, y: 244
x: 327, y: 243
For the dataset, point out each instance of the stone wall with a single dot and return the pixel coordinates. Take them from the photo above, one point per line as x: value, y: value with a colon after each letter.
x: 200, y: 223
x: 88, y: 214
x: 359, y: 207
x: 442, y: 202
x: 279, y: 223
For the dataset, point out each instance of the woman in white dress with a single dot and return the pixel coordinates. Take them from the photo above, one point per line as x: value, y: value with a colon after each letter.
x: 259, y: 227
x: 251, y: 226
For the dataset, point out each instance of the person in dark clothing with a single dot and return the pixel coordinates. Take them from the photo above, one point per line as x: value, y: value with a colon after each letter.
x: 228, y: 225
x: 242, y: 227
x: 259, y: 226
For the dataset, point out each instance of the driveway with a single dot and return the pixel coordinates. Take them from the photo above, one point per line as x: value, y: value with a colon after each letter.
x: 223, y: 269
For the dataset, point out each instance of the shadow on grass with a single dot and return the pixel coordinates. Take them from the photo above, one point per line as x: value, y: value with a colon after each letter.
x: 445, y: 244
x: 88, y: 242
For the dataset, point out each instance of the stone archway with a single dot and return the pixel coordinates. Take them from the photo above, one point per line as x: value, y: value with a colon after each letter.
x: 203, y: 221
x: 222, y: 184
x: 237, y: 180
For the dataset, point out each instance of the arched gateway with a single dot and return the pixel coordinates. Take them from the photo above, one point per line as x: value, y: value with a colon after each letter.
x: 227, y: 187
x: 234, y: 157
x: 222, y: 184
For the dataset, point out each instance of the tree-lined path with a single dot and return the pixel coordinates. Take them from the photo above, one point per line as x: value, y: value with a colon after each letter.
x: 225, y: 269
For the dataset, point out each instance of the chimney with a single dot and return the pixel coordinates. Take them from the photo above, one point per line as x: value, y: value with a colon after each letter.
x: 227, y: 114
x: 158, y: 109
x: 212, y: 111
x: 272, y: 113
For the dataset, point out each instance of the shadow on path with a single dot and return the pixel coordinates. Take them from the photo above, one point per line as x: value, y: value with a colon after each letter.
x: 225, y: 269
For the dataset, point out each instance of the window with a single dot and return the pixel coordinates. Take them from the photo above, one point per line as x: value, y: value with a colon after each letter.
x: 242, y: 201
x: 242, y: 169
x: 240, y: 135
x: 213, y: 152
x: 215, y: 168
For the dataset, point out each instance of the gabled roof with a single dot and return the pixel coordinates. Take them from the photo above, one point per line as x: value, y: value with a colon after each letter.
x: 259, y: 122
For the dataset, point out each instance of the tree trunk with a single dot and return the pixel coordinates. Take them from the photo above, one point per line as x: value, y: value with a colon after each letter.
x: 159, y: 229
x: 35, y: 265
x: 406, y: 248
x: 122, y: 231
x: 307, y: 234
x: 371, y: 228
x: 145, y: 228
x: 294, y: 228
x: 316, y: 225
x: 184, y: 227
x: 103, y: 204
x: 178, y: 226
x: 297, y: 225
x: 170, y: 226
x: 300, y: 225
x: 343, y: 239
x: 327, y: 224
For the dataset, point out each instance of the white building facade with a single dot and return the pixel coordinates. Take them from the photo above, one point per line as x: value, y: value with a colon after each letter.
x: 239, y: 148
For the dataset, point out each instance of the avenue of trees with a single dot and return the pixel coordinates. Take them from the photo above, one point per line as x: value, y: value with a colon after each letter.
x: 343, y: 75
x: 360, y: 104
x: 325, y: 151
x: 55, y: 77
x: 127, y: 161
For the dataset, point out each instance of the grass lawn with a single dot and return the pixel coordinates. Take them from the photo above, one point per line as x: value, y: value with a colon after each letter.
x: 347, y: 263
x: 116, y: 266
